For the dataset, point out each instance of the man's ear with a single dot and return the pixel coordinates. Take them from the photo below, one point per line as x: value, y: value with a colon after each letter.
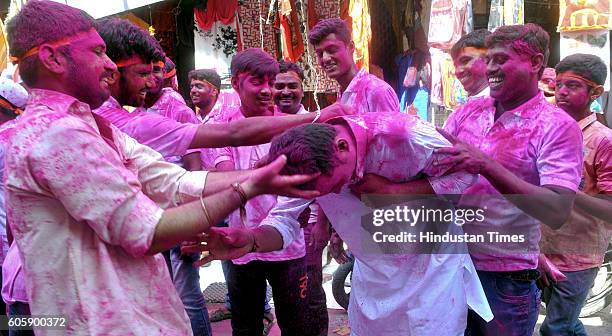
x: 537, y: 62
x: 235, y: 82
x: 351, y: 46
x: 342, y: 145
x: 52, y: 59
x: 596, y: 92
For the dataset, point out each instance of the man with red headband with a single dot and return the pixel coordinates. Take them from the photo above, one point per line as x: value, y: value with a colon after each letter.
x: 510, y: 141
x: 578, y: 248
x: 163, y: 100
x: 133, y: 79
x: 90, y: 207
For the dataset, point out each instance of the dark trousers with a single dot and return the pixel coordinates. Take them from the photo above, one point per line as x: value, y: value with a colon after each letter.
x: 20, y: 308
x: 515, y: 305
x: 316, y: 310
x: 247, y: 289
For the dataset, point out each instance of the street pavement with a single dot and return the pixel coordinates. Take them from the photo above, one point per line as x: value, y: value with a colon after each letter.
x: 598, y: 325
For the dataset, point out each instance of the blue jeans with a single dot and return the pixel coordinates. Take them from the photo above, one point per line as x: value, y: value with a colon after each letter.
x: 564, y: 300
x: 186, y: 279
x: 515, y: 305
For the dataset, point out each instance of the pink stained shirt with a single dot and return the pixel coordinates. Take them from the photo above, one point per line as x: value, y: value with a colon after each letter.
x: 85, y: 202
x: 257, y: 208
x: 368, y: 93
x: 13, y: 284
x: 6, y: 131
x: 540, y: 144
x: 391, y: 293
x: 166, y: 136
x: 172, y: 106
x: 582, y: 242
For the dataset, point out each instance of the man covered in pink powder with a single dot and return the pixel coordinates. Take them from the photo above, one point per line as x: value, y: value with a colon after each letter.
x: 393, y: 292
x: 578, y: 248
x: 90, y: 199
x: 170, y: 138
x: 362, y: 91
x: 253, y: 75
x: 469, y: 55
x: 519, y: 144
x: 162, y: 99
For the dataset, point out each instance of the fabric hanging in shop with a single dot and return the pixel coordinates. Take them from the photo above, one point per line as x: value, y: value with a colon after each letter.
x: 292, y: 43
x: 506, y: 12
x: 361, y: 31
x: 3, y: 48
x: 584, y: 15
x: 468, y: 24
x: 437, y: 57
x: 514, y: 12
x: 216, y: 10
x: 446, y: 89
x: 420, y: 105
x: 446, y: 22
x: 594, y: 42
x: 453, y: 92
x: 215, y: 47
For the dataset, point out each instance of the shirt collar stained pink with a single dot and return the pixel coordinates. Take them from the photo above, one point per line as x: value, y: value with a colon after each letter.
x: 84, y: 204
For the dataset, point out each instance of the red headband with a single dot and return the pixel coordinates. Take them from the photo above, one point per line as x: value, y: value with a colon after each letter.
x: 58, y: 43
x: 135, y: 59
x: 578, y: 77
x: 170, y: 74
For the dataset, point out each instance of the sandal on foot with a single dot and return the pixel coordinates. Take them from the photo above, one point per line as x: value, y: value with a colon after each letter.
x: 220, y: 315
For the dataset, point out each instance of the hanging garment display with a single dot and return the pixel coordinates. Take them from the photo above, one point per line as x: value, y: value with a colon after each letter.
x: 514, y: 12
x: 446, y: 22
x: 496, y: 14
x: 584, y: 15
x: 594, y: 42
x: 506, y: 12
x: 216, y: 10
x: 453, y: 92
x: 292, y: 44
x: 437, y: 58
x: 361, y: 31
x: 214, y: 48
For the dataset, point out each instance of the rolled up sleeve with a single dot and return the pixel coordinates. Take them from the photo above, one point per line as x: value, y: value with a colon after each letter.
x: 92, y: 183
x: 284, y: 218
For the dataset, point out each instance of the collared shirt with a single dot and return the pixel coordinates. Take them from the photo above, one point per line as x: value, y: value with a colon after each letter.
x: 168, y: 137
x: 368, y: 93
x: 85, y: 201
x: 13, y: 285
x: 391, y: 294
x: 541, y: 145
x: 582, y: 242
x: 6, y: 130
x: 172, y: 106
x: 257, y: 208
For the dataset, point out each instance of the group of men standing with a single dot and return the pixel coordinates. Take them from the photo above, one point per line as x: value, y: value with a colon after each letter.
x: 95, y: 193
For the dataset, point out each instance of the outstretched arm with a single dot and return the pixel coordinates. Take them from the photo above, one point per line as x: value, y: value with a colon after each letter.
x: 186, y: 222
x: 258, y: 130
